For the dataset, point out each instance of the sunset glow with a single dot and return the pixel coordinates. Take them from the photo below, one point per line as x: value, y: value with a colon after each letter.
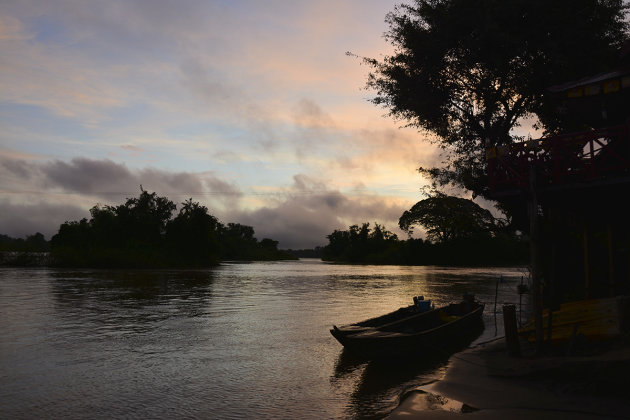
x: 251, y: 108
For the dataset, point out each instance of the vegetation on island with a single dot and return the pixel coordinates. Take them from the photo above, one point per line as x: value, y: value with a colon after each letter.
x: 459, y: 232
x: 144, y: 232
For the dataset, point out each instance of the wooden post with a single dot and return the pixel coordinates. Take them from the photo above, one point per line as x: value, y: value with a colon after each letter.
x: 496, y: 294
x: 587, y: 275
x: 535, y: 262
x: 623, y: 313
x: 511, y: 331
x: 611, y: 262
x: 551, y: 276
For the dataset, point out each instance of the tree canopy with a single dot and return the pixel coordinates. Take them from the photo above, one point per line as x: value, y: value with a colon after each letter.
x: 448, y: 218
x: 468, y: 71
x: 359, y: 243
x: 32, y: 243
x: 142, y: 232
x: 364, y: 245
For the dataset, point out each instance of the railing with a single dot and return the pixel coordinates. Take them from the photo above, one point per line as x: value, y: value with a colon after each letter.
x: 563, y: 159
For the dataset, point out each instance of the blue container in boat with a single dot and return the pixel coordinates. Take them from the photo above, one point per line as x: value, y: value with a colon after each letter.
x: 423, y: 305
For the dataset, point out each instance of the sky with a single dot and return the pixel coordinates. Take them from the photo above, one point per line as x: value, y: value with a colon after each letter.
x: 252, y: 108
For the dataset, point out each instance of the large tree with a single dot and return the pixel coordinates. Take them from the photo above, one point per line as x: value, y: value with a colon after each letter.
x: 447, y: 218
x: 468, y: 71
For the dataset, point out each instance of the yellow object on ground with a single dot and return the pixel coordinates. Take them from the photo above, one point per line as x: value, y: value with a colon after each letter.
x: 595, y: 319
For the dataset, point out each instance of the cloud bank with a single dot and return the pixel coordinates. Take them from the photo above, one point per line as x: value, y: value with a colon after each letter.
x: 298, y: 216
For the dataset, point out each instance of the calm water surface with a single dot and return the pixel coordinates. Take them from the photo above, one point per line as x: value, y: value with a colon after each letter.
x: 238, y: 341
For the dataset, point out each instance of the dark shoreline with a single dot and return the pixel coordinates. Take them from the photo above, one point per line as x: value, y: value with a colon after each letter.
x: 25, y: 259
x: 44, y: 260
x: 485, y: 382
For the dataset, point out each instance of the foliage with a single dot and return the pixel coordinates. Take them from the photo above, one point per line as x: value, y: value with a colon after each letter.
x: 24, y: 252
x: 358, y: 243
x: 32, y: 243
x: 447, y: 218
x: 142, y: 232
x: 364, y: 246
x: 316, y: 252
x: 466, y: 71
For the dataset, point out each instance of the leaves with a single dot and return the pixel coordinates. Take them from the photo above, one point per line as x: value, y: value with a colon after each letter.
x: 446, y: 218
x: 468, y: 70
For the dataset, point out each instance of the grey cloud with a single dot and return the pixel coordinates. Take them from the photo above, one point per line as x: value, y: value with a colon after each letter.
x: 301, y: 217
x: 303, y: 182
x: 309, y: 113
x: 16, y: 168
x: 207, y: 83
x: 334, y: 200
x: 225, y: 196
x: 19, y: 220
x: 113, y: 182
x: 313, y: 128
x: 309, y: 212
x: 105, y: 178
x: 87, y: 176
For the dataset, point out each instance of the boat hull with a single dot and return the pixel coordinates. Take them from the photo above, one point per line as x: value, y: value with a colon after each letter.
x: 440, y: 336
x: 400, y: 316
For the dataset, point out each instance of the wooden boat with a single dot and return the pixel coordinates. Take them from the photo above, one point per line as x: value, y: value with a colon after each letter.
x: 428, y: 332
x: 419, y: 307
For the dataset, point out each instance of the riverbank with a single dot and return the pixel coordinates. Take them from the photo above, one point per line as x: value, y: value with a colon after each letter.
x: 484, y: 382
x: 24, y: 259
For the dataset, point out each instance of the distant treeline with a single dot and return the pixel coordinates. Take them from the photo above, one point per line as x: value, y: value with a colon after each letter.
x: 32, y: 243
x: 316, y: 252
x: 364, y: 245
x: 144, y: 232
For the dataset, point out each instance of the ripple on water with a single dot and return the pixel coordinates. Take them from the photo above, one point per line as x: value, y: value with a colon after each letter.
x: 243, y: 340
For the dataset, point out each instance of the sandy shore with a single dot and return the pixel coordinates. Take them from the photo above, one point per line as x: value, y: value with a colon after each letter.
x: 484, y: 382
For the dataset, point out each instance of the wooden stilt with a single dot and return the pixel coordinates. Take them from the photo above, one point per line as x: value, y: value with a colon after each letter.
x: 611, y: 262
x: 587, y: 277
x: 535, y: 261
x: 551, y: 276
x: 511, y: 331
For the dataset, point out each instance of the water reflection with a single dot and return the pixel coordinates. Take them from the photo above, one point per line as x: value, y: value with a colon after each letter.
x: 382, y: 381
x: 242, y: 340
x: 381, y: 384
x: 127, y: 301
x: 346, y: 363
x: 133, y: 287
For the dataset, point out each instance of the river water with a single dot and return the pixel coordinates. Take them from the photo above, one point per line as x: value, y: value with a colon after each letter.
x: 246, y: 340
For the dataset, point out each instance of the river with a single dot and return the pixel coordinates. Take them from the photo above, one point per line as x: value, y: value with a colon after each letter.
x: 243, y: 340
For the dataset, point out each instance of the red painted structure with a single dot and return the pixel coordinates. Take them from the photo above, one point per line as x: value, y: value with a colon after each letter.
x: 579, y: 182
x: 593, y: 155
x: 599, y: 105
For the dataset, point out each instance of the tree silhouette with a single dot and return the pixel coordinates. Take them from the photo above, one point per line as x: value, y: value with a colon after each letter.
x: 469, y: 242
x: 447, y: 218
x: 467, y: 71
x: 142, y: 232
x: 192, y: 235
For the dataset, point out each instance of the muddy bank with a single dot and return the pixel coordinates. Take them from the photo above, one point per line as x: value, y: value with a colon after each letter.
x: 485, y: 382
